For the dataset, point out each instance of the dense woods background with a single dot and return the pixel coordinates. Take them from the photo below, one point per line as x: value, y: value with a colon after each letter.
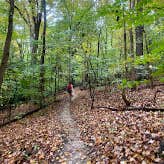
x: 111, y: 50
x: 45, y: 44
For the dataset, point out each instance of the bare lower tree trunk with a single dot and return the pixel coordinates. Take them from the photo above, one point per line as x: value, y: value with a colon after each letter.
x: 139, y: 35
x: 106, y: 40
x: 33, y: 21
x: 131, y: 42
x: 131, y: 36
x: 35, y: 27
x: 92, y: 92
x: 35, y: 36
x: 139, y: 40
x: 125, y: 46
x: 98, y: 52
x: 150, y: 77
x: 111, y: 39
x: 56, y: 75
x: 146, y: 43
x: 91, y: 81
x: 42, y: 71
x: 127, y: 102
x: 6, y: 49
x: 131, y: 6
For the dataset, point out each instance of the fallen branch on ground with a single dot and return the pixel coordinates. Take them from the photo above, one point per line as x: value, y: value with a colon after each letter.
x: 146, y: 109
x: 24, y: 115
x: 107, y: 107
x: 132, y: 108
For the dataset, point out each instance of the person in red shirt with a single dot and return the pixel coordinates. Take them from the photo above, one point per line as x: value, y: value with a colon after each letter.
x: 70, y: 88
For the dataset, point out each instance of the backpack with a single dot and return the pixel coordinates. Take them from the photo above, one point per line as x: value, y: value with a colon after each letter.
x: 69, y: 87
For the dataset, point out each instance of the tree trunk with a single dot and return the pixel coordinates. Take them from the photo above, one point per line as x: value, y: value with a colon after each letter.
x: 56, y: 75
x: 131, y: 6
x: 111, y: 39
x: 150, y: 77
x: 20, y: 46
x: 42, y: 71
x: 146, y: 43
x: 33, y: 24
x: 127, y: 102
x: 139, y: 36
x: 6, y: 49
x: 131, y: 43
x: 37, y: 22
x: 98, y: 52
x: 125, y: 46
x: 106, y: 40
x: 35, y: 27
x: 139, y: 40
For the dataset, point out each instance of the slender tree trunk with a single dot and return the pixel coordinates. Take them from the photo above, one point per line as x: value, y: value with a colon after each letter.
x: 150, y: 77
x: 85, y: 73
x: 98, y: 52
x: 91, y: 82
x: 69, y: 17
x: 139, y: 40
x: 56, y: 75
x: 6, y: 49
x: 111, y: 39
x: 69, y: 65
x: 125, y: 46
x: 106, y: 40
x: 42, y: 70
x: 133, y: 76
x: 36, y: 29
x: 146, y: 43
x: 20, y: 46
x: 131, y: 6
x: 139, y: 36
x: 127, y: 102
x: 70, y: 55
x: 131, y: 43
x: 33, y: 24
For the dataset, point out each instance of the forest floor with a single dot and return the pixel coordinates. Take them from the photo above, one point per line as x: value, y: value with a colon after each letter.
x: 73, y: 133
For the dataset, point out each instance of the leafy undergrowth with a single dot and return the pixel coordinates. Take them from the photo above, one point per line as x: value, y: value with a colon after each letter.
x: 115, y: 136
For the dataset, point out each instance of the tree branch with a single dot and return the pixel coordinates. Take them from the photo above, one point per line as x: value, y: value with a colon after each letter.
x: 21, y: 14
x: 132, y: 108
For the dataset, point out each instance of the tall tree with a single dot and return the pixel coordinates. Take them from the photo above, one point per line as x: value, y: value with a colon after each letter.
x: 31, y: 12
x: 6, y: 50
x: 131, y: 6
x: 125, y: 42
x: 36, y: 10
x: 42, y: 80
x: 139, y: 32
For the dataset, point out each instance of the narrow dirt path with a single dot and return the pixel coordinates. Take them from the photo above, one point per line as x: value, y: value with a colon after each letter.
x: 74, y: 150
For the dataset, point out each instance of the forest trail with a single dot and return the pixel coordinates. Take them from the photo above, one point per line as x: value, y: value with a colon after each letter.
x: 71, y: 133
x: 74, y: 149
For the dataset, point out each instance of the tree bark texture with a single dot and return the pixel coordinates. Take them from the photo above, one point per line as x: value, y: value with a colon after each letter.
x: 139, y: 35
x: 6, y: 50
x: 131, y: 6
x: 42, y: 70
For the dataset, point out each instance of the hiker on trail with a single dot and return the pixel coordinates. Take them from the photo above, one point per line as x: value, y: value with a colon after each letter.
x: 70, y: 89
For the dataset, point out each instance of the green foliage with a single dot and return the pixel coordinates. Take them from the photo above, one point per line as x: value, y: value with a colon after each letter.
x: 162, y: 79
x: 74, y: 30
x: 125, y: 84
